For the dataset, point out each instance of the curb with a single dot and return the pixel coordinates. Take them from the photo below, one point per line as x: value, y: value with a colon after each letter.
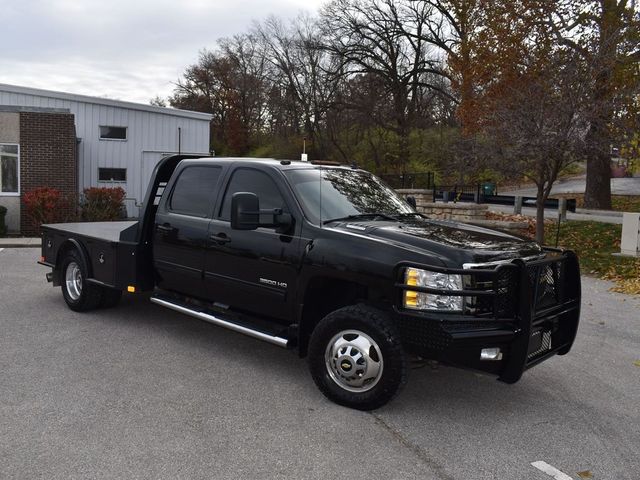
x: 20, y: 242
x: 19, y: 245
x: 603, y: 213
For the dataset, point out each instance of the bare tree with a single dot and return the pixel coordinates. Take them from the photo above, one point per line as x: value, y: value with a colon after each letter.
x: 248, y: 87
x: 230, y: 83
x: 302, y: 68
x: 384, y: 39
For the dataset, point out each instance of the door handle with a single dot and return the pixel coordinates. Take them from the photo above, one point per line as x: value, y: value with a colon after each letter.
x: 164, y: 228
x: 220, y: 238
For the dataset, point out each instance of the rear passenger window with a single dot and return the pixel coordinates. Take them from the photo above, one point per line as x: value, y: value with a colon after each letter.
x: 254, y: 181
x: 194, y: 191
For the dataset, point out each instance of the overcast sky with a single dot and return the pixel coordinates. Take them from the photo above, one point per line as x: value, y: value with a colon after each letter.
x: 127, y: 50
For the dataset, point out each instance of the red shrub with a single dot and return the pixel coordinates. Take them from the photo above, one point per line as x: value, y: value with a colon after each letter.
x: 103, y: 204
x: 45, y: 205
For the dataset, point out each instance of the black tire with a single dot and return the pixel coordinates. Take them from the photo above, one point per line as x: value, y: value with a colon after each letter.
x: 110, y: 297
x: 87, y: 296
x: 324, y: 367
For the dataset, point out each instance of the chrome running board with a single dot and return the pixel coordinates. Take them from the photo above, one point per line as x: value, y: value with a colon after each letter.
x: 281, y: 342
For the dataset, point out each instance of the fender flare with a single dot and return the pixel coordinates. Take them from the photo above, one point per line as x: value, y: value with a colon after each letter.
x: 67, y: 245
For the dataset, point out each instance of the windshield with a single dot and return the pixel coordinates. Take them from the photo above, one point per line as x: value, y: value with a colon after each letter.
x: 345, y: 193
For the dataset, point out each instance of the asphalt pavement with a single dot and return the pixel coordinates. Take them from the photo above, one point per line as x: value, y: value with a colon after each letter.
x: 577, y: 184
x: 592, y: 216
x: 142, y: 392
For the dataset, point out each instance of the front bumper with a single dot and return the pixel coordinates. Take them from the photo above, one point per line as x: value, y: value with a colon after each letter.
x: 532, y: 313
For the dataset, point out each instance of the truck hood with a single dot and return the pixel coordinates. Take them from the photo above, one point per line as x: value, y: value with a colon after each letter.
x: 454, y: 242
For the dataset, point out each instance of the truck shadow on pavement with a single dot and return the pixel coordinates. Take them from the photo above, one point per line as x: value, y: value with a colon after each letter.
x: 435, y: 389
x: 177, y: 360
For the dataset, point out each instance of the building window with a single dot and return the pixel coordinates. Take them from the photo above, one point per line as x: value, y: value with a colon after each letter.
x: 112, y: 174
x: 113, y: 133
x: 9, y: 168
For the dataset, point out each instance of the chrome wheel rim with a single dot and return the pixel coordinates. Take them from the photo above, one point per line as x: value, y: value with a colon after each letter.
x: 73, y: 280
x: 354, y: 361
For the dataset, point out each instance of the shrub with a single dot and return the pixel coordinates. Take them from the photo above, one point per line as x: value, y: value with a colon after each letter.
x: 102, y: 204
x: 45, y: 205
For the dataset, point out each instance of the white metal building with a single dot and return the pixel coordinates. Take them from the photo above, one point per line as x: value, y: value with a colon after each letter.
x: 119, y: 143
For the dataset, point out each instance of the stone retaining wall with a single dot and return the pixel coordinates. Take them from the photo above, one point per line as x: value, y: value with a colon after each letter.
x: 464, y: 212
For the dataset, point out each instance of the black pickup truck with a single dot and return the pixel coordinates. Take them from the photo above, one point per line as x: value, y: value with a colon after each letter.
x: 331, y: 262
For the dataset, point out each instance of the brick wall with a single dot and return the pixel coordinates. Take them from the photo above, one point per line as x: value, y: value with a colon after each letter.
x: 47, y: 157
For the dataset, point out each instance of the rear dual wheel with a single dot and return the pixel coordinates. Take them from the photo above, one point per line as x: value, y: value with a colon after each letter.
x: 356, y: 358
x: 79, y: 294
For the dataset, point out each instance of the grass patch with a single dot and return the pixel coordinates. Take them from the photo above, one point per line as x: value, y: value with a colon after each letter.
x: 625, y: 203
x: 594, y: 242
x: 619, y: 203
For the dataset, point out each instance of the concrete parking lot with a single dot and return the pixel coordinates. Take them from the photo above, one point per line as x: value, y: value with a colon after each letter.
x: 143, y: 392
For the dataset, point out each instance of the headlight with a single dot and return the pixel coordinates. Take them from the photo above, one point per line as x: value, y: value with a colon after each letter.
x: 430, y: 301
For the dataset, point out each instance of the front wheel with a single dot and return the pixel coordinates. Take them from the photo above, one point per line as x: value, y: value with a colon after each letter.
x: 356, y: 358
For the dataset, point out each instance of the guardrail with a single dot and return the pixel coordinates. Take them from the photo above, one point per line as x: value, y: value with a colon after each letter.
x: 552, y: 203
x: 474, y: 193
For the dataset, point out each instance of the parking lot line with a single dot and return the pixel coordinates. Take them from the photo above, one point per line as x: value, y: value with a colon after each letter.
x: 1, y: 249
x: 550, y: 470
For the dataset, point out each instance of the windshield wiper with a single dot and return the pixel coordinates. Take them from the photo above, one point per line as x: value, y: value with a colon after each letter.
x: 359, y: 216
x: 405, y: 215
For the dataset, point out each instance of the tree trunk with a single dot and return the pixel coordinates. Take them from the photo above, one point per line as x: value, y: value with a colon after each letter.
x: 598, y: 189
x: 597, y: 194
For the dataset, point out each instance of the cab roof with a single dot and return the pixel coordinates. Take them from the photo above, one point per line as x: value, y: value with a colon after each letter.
x: 274, y: 163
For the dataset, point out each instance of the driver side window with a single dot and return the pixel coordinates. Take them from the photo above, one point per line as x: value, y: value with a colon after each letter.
x: 254, y: 181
